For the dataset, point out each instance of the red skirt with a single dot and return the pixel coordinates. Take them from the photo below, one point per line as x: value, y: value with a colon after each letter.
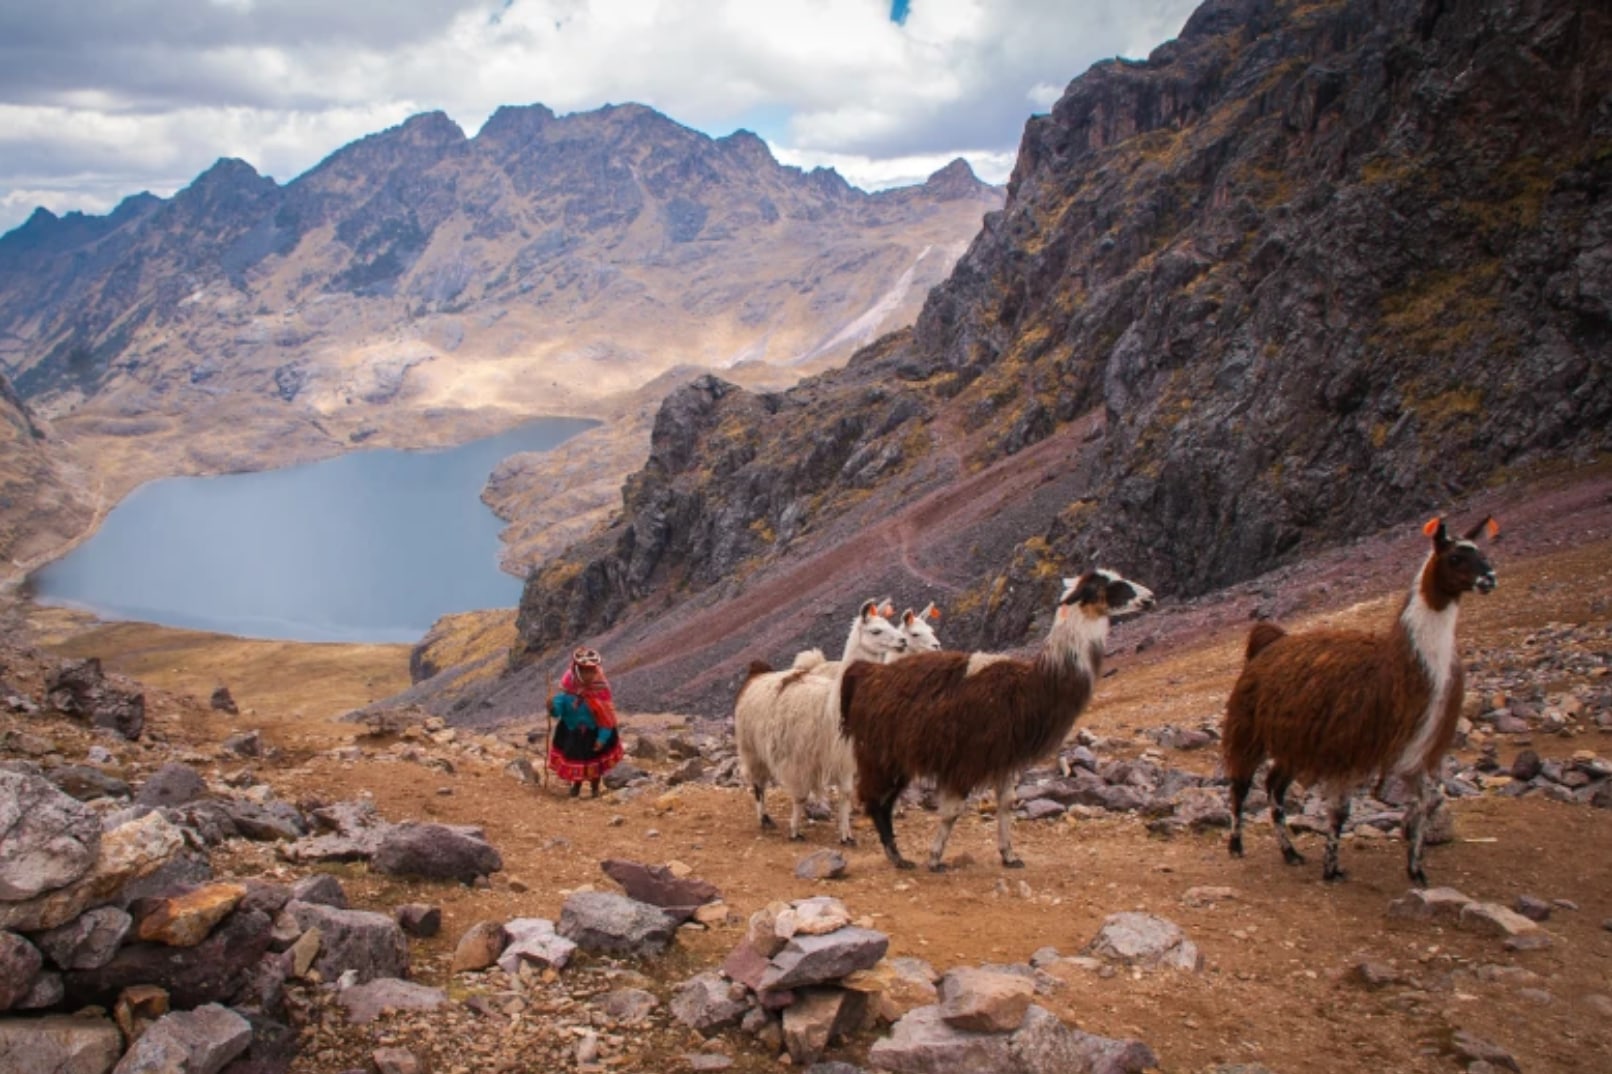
x: 574, y: 771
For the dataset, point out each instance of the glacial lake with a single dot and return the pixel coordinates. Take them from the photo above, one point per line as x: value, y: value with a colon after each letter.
x: 373, y: 546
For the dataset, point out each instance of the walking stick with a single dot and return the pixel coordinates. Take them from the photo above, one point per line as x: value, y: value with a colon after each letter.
x: 548, y: 726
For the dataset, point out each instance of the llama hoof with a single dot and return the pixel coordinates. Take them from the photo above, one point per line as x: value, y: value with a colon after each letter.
x: 1291, y: 856
x: 1013, y: 863
x: 1334, y: 876
x: 768, y: 822
x: 939, y: 867
x: 847, y: 840
x: 902, y: 863
x: 1235, y: 846
x: 1418, y: 878
x: 796, y: 837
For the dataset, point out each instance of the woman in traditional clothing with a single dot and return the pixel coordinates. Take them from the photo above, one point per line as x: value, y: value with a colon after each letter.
x: 585, y: 744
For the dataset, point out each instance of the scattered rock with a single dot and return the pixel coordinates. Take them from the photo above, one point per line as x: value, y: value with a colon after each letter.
x: 1492, y: 919
x: 60, y: 1044
x: 202, y: 1041
x: 435, y: 852
x: 810, y: 960
x: 1475, y: 1049
x: 321, y: 889
x: 824, y: 865
x: 81, y: 689
x: 173, y: 784
x: 396, y: 1061
x: 1136, y: 939
x: 222, y: 701
x: 820, y: 1017
x: 534, y: 940
x: 601, y: 921
x: 1534, y: 909
x: 368, y: 1001
x: 48, y: 839
x: 657, y: 885
x: 628, y: 1006
x: 369, y: 944
x: 707, y: 1003
x: 895, y: 986
x: 1429, y: 904
x: 479, y: 947
x: 185, y: 920
x: 127, y: 853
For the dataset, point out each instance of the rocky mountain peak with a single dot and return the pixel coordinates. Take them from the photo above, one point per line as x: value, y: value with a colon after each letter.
x: 955, y: 180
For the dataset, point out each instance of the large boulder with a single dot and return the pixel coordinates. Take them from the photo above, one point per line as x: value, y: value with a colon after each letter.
x: 370, y: 944
x: 80, y: 688
x: 604, y: 922
x: 60, y: 1044
x: 48, y: 839
x: 128, y: 852
x: 436, y: 852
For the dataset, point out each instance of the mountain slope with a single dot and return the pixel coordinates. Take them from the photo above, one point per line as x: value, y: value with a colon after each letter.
x: 42, y: 499
x: 1309, y: 269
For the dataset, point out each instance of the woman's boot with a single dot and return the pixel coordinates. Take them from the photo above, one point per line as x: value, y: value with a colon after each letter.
x: 593, y: 789
x: 576, y: 788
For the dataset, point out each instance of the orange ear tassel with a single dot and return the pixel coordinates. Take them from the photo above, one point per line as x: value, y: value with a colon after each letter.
x: 1494, y: 528
x: 1431, y: 527
x: 934, y: 613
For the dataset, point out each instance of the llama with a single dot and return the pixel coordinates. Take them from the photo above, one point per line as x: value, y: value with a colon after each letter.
x: 1338, y: 707
x: 783, y: 734
x: 967, y: 720
x: 920, y: 635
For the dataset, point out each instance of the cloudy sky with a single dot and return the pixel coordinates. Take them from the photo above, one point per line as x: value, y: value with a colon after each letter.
x: 100, y: 99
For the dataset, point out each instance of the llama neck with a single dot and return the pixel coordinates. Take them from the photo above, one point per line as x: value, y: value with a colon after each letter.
x: 1074, y: 647
x: 1429, y: 634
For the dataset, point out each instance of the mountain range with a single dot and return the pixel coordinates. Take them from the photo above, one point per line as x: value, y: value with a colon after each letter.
x: 1306, y: 271
x: 420, y: 287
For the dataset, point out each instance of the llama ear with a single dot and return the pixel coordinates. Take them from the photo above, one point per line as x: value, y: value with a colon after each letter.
x: 888, y: 610
x: 1488, y: 524
x: 870, y: 608
x: 1435, y: 529
x: 932, y: 612
x: 907, y: 617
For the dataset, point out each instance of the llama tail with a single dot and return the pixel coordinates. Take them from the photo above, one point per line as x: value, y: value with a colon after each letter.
x: 1261, y: 636
x: 808, y: 659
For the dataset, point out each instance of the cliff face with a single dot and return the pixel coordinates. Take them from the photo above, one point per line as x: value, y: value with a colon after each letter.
x: 44, y: 498
x: 419, y: 279
x: 1308, y: 270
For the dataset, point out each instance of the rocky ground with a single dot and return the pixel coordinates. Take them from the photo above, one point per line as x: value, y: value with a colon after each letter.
x: 1512, y: 971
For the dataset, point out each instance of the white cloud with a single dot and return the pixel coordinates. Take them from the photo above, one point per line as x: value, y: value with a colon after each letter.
x: 148, y: 93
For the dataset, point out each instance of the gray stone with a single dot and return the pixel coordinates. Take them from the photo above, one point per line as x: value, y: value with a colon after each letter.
x: 1136, y: 939
x: 810, y: 960
x: 396, y: 1061
x: 534, y: 940
x: 86, y: 783
x: 1475, y: 1049
x: 922, y: 1043
x: 48, y: 839
x: 1041, y: 809
x: 435, y: 852
x: 322, y: 889
x: 1044, y: 1045
x: 821, y: 865
x: 366, y: 1002
x: 59, y: 1044
x: 604, y: 922
x: 173, y: 784
x: 128, y: 852
x: 80, y: 688
x: 244, y: 744
x: 1492, y: 919
x: 707, y: 1003
x: 628, y: 1006
x: 202, y: 1041
x: 369, y: 944
x: 47, y: 991
x: 87, y: 941
x: 1429, y: 904
x: 1534, y: 909
x: 624, y: 774
x: 20, y: 963
x: 985, y: 1001
x: 264, y: 822
x: 479, y: 947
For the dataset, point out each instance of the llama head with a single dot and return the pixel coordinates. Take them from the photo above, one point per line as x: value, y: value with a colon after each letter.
x: 1456, y: 564
x: 920, y: 635
x: 873, y: 636
x: 1102, y: 593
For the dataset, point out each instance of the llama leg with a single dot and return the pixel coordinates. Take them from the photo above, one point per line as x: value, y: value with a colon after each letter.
x: 1276, y: 784
x: 879, y: 810
x: 846, y: 838
x: 797, y: 813
x: 951, y: 807
x: 759, y: 789
x: 1004, y: 823
x: 1340, y: 817
x: 1424, y: 793
x: 1239, y: 794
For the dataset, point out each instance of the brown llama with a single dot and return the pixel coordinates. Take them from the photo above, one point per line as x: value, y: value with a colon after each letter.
x: 970, y: 719
x: 1337, y: 708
